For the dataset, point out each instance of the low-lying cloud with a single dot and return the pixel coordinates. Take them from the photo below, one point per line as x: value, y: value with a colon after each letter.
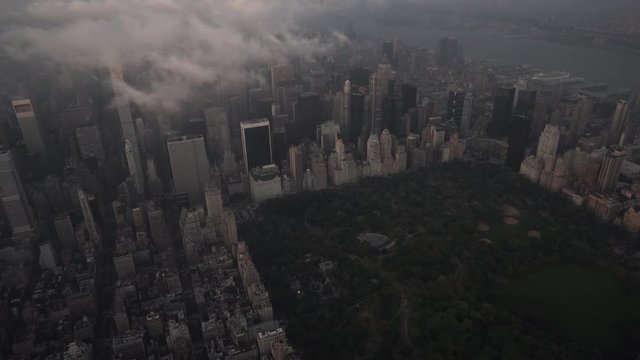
x: 180, y: 44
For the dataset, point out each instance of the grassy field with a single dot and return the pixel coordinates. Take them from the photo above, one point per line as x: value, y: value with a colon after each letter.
x: 592, y: 307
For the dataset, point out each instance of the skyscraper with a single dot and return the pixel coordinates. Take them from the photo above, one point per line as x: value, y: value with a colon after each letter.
x: 218, y: 133
x: 308, y: 115
x: 519, y: 129
x: 455, y: 106
x: 279, y: 73
x: 297, y: 164
x: 502, y: 112
x: 189, y: 166
x: 256, y: 143
x: 409, y: 94
x: 548, y: 141
x: 28, y: 126
x: 526, y: 102
x: 122, y: 105
x: 213, y: 199
x: 467, y: 112
x: 135, y: 166
x: 345, y: 118
x: 449, y: 52
x: 610, y: 168
x: 14, y: 201
x: 619, y: 121
x: 89, y: 222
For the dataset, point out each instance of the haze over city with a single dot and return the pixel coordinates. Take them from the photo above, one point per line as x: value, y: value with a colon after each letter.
x: 319, y: 179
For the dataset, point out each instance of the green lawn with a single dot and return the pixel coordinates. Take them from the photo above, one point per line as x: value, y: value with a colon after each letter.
x: 592, y: 307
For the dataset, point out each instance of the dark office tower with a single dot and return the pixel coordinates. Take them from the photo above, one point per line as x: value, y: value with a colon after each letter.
x: 502, y: 112
x: 449, y: 52
x: 526, y: 103
x: 237, y: 113
x: 358, y: 114
x: 256, y: 143
x: 195, y: 126
x: 279, y: 145
x: 387, y: 50
x: 519, y: 129
x: 391, y: 116
x: 409, y: 95
x: 308, y: 115
x: 359, y: 76
x: 255, y: 95
x: 264, y: 108
x: 455, y: 106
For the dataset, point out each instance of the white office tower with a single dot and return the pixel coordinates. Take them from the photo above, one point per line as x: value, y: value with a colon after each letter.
x: 90, y: 224
x: 14, y: 201
x: 189, y: 166
x: 135, y: 166
x: 467, y: 111
x: 28, y: 126
x: 122, y: 105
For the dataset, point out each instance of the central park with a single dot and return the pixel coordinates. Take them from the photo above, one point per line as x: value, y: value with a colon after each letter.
x: 456, y: 261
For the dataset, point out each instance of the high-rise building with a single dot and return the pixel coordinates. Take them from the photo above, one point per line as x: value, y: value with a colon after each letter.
x: 48, y: 257
x: 135, y: 166
x: 192, y: 235
x: 449, y: 52
x: 158, y: 228
x: 345, y: 109
x: 308, y: 115
x: 610, y: 168
x: 319, y: 168
x: 619, y: 121
x: 519, y: 129
x: 548, y: 141
x: 29, y: 126
x: 122, y: 105
x: 90, y: 224
x: 14, y: 201
x: 359, y: 76
x: 467, y: 112
x: 189, y: 166
x: 455, y: 106
x: 213, y: 198
x: 526, y: 102
x: 256, y: 143
x: 580, y: 114
x: 502, y: 113
x: 265, y: 183
x: 89, y: 142
x: 65, y: 231
x: 297, y: 164
x: 409, y: 94
x: 279, y: 73
x: 218, y: 133
x: 329, y: 131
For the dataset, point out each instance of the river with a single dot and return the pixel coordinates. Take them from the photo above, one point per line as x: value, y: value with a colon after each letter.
x: 596, y: 65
